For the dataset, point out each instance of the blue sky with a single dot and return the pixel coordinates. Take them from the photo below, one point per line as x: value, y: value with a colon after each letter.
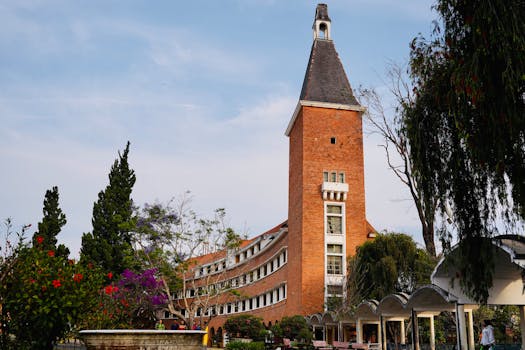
x: 202, y: 89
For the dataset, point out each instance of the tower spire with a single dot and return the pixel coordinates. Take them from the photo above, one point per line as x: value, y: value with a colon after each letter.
x: 322, y: 23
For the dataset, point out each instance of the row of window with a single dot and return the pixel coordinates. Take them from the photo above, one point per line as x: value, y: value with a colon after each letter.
x: 262, y: 300
x: 248, y: 253
x: 266, y: 299
x: 334, y: 176
x: 247, y: 278
x: 212, y: 268
x: 221, y: 264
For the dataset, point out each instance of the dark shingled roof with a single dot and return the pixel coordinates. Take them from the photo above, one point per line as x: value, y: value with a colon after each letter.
x: 325, y: 79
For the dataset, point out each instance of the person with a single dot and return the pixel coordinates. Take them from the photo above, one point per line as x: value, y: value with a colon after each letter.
x: 487, y: 335
x: 182, y: 326
x: 160, y: 325
x: 175, y: 326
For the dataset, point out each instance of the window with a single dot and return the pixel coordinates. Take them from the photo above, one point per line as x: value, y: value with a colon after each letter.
x: 333, y: 177
x: 332, y: 140
x: 334, y: 249
x: 334, y: 219
x: 325, y: 176
x: 334, y: 289
x: 334, y: 265
x: 342, y: 178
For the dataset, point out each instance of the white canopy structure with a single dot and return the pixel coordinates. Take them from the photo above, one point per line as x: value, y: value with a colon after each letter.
x: 445, y: 294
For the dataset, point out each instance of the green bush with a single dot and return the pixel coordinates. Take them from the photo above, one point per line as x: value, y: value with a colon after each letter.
x: 239, y: 345
x: 293, y: 327
x: 245, y: 326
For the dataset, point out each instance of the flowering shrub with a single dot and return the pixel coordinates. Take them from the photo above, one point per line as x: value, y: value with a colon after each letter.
x: 44, y: 296
x: 130, y: 302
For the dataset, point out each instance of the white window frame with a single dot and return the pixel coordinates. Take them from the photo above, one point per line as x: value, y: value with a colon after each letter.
x: 342, y: 216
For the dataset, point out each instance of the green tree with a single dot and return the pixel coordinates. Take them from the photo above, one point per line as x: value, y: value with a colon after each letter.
x: 109, y: 244
x: 51, y: 224
x: 466, y: 125
x: 245, y: 326
x: 45, y: 297
x: 10, y: 249
x: 293, y: 327
x: 390, y: 263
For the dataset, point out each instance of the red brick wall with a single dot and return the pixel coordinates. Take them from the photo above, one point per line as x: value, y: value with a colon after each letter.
x: 295, y: 216
x: 311, y: 153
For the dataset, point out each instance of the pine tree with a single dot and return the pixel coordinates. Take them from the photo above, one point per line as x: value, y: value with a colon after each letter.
x: 109, y: 244
x: 51, y: 225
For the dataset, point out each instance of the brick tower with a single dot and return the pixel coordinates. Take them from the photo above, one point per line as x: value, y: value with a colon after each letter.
x: 326, y: 210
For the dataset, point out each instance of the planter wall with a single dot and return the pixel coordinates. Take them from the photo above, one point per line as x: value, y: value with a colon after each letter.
x: 124, y: 339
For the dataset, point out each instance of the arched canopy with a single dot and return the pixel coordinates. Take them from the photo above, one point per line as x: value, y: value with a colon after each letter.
x: 508, y: 285
x: 431, y: 298
x: 329, y: 318
x: 315, y: 319
x: 393, y: 305
x: 346, y: 316
x: 367, y: 310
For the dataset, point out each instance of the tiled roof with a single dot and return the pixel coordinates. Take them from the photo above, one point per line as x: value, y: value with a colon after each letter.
x: 325, y: 79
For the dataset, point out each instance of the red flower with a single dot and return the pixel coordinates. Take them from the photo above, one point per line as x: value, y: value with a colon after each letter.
x: 44, y: 288
x: 51, y: 253
x: 39, y: 239
x: 56, y: 283
x: 110, y: 289
x: 77, y: 277
x: 110, y: 275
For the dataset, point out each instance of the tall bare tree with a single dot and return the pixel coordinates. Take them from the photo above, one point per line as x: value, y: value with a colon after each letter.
x: 183, y: 248
x: 397, y: 149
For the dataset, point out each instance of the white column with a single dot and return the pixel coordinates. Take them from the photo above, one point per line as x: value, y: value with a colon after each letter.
x: 432, y: 334
x: 359, y: 331
x: 403, y: 332
x: 382, y: 340
x: 471, y: 344
x: 461, y: 327
x: 522, y: 326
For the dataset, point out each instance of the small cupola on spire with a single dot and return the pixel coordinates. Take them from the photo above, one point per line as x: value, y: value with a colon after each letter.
x: 322, y: 23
